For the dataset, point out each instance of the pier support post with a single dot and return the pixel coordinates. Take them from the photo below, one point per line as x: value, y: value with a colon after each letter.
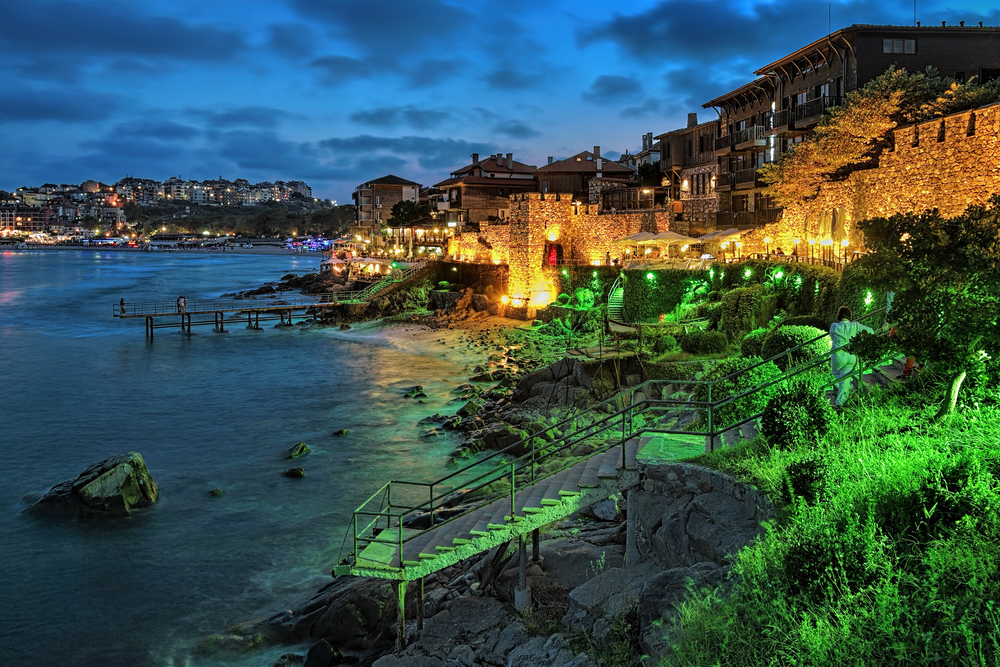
x: 522, y: 594
x: 401, y: 616
x: 420, y: 607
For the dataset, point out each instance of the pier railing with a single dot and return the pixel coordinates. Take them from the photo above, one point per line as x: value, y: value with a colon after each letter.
x: 269, y: 302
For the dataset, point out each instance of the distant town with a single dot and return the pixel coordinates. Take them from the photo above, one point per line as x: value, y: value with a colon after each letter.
x: 92, y: 208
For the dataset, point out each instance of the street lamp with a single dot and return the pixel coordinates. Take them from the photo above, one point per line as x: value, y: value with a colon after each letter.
x: 795, y: 250
x: 767, y: 245
x: 844, y: 244
x: 812, y: 249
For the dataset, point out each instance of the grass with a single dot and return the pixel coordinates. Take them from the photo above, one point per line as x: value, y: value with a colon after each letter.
x: 897, y: 561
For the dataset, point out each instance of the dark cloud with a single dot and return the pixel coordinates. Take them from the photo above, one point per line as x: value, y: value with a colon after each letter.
x: 269, y: 156
x: 651, y: 106
x: 688, y: 88
x: 379, y: 164
x: 516, y: 129
x: 611, y: 88
x: 430, y: 153
x: 705, y: 30
x: 156, y: 130
x: 388, y: 26
x: 65, y: 104
x: 250, y: 116
x: 433, y: 71
x: 109, y: 28
x: 406, y: 115
x: 507, y: 78
x: 336, y: 70
x: 293, y: 40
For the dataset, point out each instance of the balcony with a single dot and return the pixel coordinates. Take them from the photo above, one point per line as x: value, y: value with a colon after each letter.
x: 808, y: 113
x: 750, y: 137
x: 724, y: 182
x: 746, y: 179
x: 780, y: 121
x: 723, y: 144
x: 748, y: 219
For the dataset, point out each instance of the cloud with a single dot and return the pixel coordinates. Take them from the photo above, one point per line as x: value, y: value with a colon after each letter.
x: 408, y: 115
x: 682, y: 29
x: 156, y: 130
x: 508, y: 78
x: 610, y: 88
x: 110, y: 28
x: 65, y: 105
x: 292, y: 40
x: 429, y: 153
x: 651, y: 106
x: 252, y: 116
x: 388, y: 26
x: 335, y: 70
x: 516, y: 129
x: 433, y: 71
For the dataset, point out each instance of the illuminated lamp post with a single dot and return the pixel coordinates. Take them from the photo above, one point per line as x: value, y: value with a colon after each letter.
x: 739, y: 250
x: 795, y: 242
x: 725, y: 244
x: 812, y: 250
x: 844, y: 244
x: 767, y: 245
x: 827, y: 250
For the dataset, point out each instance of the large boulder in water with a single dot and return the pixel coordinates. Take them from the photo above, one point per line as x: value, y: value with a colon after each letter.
x: 114, y: 486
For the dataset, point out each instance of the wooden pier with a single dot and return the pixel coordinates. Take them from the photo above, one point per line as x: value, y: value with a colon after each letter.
x: 170, y: 314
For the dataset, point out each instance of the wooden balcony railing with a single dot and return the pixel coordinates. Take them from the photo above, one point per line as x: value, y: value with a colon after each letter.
x: 816, y: 107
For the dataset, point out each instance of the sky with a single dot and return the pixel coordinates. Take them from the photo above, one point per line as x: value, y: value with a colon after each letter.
x: 338, y: 92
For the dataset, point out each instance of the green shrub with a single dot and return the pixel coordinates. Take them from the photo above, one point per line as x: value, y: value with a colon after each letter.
x: 797, y: 414
x: 805, y: 479
x: 691, y: 342
x: 805, y: 321
x: 745, y: 309
x: 753, y: 342
x: 670, y: 371
x: 785, y: 338
x: 444, y: 284
x: 584, y: 297
x: 745, y: 379
x: 664, y: 343
x: 712, y: 342
x: 563, y: 299
x: 647, y: 298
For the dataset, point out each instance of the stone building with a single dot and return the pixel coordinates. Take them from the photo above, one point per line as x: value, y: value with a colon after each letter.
x: 374, y: 200
x: 687, y: 161
x: 762, y: 119
x: 573, y: 175
x: 948, y: 163
x: 480, y: 192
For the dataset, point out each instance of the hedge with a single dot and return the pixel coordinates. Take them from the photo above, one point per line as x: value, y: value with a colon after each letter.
x: 746, y: 406
x: 785, y: 338
x: 747, y: 308
x: 646, y: 298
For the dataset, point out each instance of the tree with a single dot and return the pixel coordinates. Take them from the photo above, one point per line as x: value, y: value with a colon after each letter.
x: 946, y: 274
x: 407, y: 211
x: 853, y: 135
x: 649, y: 174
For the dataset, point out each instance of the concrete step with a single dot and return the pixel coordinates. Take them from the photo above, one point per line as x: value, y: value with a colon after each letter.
x: 610, y: 463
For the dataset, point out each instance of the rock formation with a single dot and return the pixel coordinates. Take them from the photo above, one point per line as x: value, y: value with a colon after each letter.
x: 116, y: 485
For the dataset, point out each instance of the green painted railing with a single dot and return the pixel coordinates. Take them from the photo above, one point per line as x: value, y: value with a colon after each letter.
x: 613, y: 418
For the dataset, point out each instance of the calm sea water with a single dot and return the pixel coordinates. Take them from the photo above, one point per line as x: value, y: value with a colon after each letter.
x: 205, y: 410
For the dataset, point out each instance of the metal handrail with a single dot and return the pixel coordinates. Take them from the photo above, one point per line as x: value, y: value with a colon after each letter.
x: 621, y: 418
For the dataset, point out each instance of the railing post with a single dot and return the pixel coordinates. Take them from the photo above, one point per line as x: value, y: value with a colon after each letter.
x: 512, y: 491
x: 711, y: 428
x: 432, y: 506
x: 355, y: 537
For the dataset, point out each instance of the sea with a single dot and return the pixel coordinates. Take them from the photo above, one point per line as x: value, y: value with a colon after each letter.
x: 206, y: 411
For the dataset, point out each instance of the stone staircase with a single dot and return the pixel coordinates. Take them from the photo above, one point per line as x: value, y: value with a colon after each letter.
x: 616, y: 303
x: 406, y: 554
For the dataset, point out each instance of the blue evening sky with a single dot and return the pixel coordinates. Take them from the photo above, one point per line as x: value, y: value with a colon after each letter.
x: 335, y: 92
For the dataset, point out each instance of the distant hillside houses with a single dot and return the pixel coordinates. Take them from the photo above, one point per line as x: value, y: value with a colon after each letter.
x: 51, y: 206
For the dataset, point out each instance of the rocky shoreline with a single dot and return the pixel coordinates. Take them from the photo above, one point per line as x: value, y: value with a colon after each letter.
x: 592, y: 605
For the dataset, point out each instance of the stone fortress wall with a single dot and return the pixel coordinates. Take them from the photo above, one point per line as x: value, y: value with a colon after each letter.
x: 948, y: 163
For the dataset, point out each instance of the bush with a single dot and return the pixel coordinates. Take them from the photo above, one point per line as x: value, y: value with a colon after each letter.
x: 806, y: 321
x: 745, y: 309
x: 584, y: 297
x: 797, y: 414
x: 563, y: 299
x: 664, y: 343
x: 753, y: 342
x: 805, y: 479
x: 444, y: 284
x: 703, y: 342
x: 783, y: 339
x: 746, y: 379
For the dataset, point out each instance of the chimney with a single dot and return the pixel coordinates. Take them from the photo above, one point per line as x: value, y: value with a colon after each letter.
x: 944, y: 23
x: 961, y: 23
x: 510, y: 161
x: 597, y: 152
x: 692, y: 119
x: 475, y: 158
x: 551, y: 159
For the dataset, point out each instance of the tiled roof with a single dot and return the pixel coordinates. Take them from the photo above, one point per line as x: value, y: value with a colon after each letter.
x: 391, y: 180
x: 498, y: 166
x: 584, y: 162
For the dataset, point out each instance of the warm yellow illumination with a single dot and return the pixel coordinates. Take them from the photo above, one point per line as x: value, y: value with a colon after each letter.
x: 552, y: 237
x: 845, y: 243
x: 812, y: 241
x: 795, y: 241
x: 504, y: 299
x: 767, y: 239
x: 684, y: 248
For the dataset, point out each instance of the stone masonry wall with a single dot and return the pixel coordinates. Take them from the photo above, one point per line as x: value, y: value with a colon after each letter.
x: 948, y: 163
x: 683, y: 514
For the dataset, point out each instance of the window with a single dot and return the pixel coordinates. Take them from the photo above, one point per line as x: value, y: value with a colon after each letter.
x: 907, y: 46
x: 378, y: 201
x: 545, y: 186
x: 960, y: 76
x: 800, y: 98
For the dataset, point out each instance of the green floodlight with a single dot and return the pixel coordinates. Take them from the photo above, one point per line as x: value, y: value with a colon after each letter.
x: 649, y: 276
x: 779, y: 275
x: 565, y: 272
x: 711, y: 274
x: 747, y: 273
x: 868, y: 299
x: 595, y: 274
x: 798, y: 281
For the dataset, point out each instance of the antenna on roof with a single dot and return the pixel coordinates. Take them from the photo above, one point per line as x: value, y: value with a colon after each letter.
x: 915, y: 13
x: 829, y: 18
